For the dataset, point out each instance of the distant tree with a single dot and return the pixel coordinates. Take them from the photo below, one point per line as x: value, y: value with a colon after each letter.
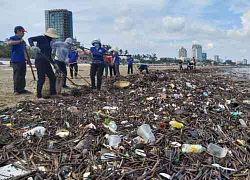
x: 4, y: 51
x: 120, y: 51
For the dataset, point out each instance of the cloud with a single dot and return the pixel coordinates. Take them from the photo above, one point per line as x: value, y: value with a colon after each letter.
x: 209, y: 46
x: 239, y: 6
x: 243, y: 50
x: 173, y: 24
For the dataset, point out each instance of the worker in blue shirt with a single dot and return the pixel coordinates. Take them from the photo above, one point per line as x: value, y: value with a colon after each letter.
x: 143, y: 67
x: 73, y: 57
x: 130, y: 61
x: 43, y: 60
x: 18, y: 60
x: 97, y: 64
x: 117, y: 60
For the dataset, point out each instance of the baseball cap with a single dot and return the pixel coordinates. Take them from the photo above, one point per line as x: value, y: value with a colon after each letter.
x: 19, y: 28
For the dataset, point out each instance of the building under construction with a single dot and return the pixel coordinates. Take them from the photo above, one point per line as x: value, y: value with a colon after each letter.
x: 61, y: 20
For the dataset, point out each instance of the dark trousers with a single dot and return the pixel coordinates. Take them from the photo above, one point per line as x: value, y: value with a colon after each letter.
x: 130, y: 68
x: 112, y: 70
x: 117, y: 70
x: 106, y: 69
x: 44, y: 68
x: 19, y: 73
x: 62, y: 67
x: 73, y: 67
x: 96, y: 69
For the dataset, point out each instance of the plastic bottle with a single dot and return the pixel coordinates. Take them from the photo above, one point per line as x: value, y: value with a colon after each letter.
x: 242, y: 122
x: 175, y: 124
x: 217, y: 150
x: 39, y: 131
x: 189, y: 148
x: 113, y: 126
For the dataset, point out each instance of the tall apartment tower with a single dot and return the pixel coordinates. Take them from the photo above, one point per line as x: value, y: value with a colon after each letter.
x: 182, y: 52
x: 61, y: 20
x: 197, y: 51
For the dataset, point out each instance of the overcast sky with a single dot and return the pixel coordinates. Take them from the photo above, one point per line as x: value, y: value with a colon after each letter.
x: 144, y: 26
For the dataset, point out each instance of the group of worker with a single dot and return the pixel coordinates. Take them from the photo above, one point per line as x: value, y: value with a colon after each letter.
x: 65, y: 54
x: 190, y: 65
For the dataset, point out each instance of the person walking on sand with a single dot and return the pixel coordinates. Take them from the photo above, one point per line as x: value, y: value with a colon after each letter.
x: 73, y: 66
x: 130, y: 61
x: 97, y: 64
x: 110, y: 60
x: 117, y: 60
x: 18, y: 60
x: 194, y: 63
x: 43, y: 60
x: 181, y: 64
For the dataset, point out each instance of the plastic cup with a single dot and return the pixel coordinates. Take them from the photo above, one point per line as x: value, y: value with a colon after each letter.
x: 146, y: 133
x: 114, y: 140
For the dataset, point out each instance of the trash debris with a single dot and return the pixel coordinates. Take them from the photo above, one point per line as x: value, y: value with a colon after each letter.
x: 114, y: 140
x: 190, y: 148
x: 108, y: 156
x: 73, y: 109
x: 149, y: 98
x: 242, y: 122
x: 175, y: 144
x: 175, y: 124
x: 62, y: 133
x: 11, y: 171
x: 236, y: 113
x: 37, y: 131
x: 112, y: 126
x: 165, y: 175
x: 224, y: 168
x: 146, y: 133
x: 217, y: 150
x: 76, y: 145
x: 140, y: 152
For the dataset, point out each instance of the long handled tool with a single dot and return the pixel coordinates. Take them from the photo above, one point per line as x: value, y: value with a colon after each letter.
x: 80, y: 75
x: 61, y: 72
x: 28, y: 60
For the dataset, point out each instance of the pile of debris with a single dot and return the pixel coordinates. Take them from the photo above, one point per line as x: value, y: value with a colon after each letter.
x: 165, y: 125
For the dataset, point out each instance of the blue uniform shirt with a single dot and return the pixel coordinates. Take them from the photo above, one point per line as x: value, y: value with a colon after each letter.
x: 130, y: 60
x: 116, y: 58
x: 73, y: 56
x: 98, y: 54
x: 17, y: 51
x: 143, y: 67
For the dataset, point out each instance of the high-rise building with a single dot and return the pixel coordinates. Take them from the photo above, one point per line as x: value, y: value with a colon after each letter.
x: 182, y: 52
x: 197, y: 51
x: 245, y: 61
x: 204, y: 56
x: 217, y: 58
x: 61, y: 20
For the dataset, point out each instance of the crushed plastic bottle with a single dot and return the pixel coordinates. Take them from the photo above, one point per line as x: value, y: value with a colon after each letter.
x: 246, y: 101
x: 205, y: 94
x: 112, y: 126
x: 236, y: 113
x: 73, y: 109
x: 217, y: 150
x: 242, y: 122
x: 39, y: 131
x: 175, y: 124
x: 190, y: 148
